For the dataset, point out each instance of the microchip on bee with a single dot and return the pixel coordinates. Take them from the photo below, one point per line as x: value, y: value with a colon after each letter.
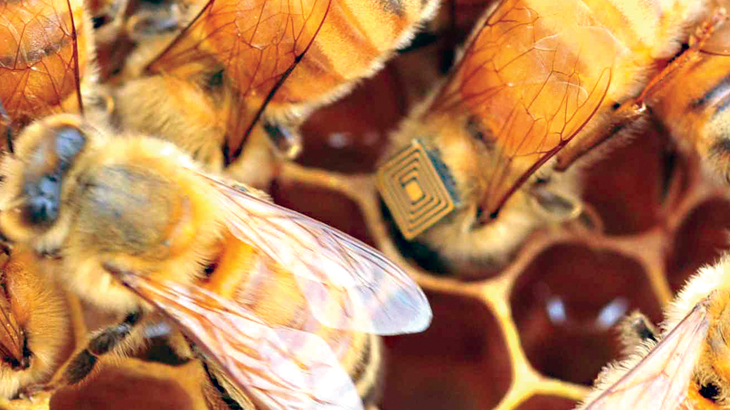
x: 417, y: 188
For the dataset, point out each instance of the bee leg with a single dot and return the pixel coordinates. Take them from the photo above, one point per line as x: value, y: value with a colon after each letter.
x: 556, y: 206
x: 623, y: 116
x: 217, y: 397
x: 83, y: 363
x: 287, y: 140
x: 636, y: 330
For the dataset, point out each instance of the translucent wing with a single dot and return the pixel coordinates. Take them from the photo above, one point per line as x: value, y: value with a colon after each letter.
x: 13, y: 276
x: 714, y: 35
x: 279, y: 368
x: 661, y: 380
x: 527, y: 87
x: 347, y: 284
x: 41, y: 53
x: 11, y: 339
x: 257, y: 42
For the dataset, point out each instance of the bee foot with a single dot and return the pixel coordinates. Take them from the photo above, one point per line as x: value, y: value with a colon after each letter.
x: 29, y: 392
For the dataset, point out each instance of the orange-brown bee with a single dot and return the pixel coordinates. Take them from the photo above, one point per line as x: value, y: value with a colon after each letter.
x: 257, y: 69
x: 281, y: 308
x: 535, y: 79
x: 684, y: 366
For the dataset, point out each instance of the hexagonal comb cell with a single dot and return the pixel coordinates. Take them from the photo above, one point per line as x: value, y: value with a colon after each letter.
x: 330, y: 207
x: 566, y: 288
x: 547, y: 403
x: 134, y: 384
x: 566, y: 302
x: 627, y: 201
x: 347, y: 138
x: 460, y: 363
x: 701, y: 238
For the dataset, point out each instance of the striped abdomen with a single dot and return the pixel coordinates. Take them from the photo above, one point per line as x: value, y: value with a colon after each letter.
x: 326, y: 43
x: 274, y: 295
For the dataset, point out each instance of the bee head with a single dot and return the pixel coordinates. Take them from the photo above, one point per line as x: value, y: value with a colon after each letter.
x: 35, y: 174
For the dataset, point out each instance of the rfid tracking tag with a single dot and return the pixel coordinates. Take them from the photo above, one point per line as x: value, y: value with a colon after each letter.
x: 417, y: 188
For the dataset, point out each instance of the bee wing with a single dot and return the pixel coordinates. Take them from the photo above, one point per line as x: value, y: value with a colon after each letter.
x: 348, y: 284
x: 11, y: 343
x: 660, y: 381
x: 40, y: 59
x: 279, y: 368
x: 258, y: 43
x: 524, y: 87
x: 715, y: 36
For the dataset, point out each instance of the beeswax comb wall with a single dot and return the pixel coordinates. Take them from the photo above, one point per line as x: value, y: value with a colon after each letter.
x: 535, y: 334
x: 530, y: 336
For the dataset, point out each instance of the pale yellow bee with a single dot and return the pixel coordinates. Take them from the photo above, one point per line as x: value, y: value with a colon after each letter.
x: 685, y: 365
x: 283, y: 310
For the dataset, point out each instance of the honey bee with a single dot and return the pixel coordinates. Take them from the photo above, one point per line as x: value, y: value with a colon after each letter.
x: 470, y: 171
x: 243, y: 72
x: 35, y: 328
x: 684, y: 366
x: 288, y: 308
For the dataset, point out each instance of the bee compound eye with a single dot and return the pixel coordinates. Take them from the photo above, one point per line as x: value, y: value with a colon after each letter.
x: 69, y: 142
x: 43, y: 199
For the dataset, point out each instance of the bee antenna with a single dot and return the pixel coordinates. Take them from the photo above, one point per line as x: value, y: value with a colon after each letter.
x: 5, y: 119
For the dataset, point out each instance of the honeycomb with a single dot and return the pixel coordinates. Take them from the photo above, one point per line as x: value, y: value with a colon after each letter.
x: 535, y: 334
x: 532, y: 336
